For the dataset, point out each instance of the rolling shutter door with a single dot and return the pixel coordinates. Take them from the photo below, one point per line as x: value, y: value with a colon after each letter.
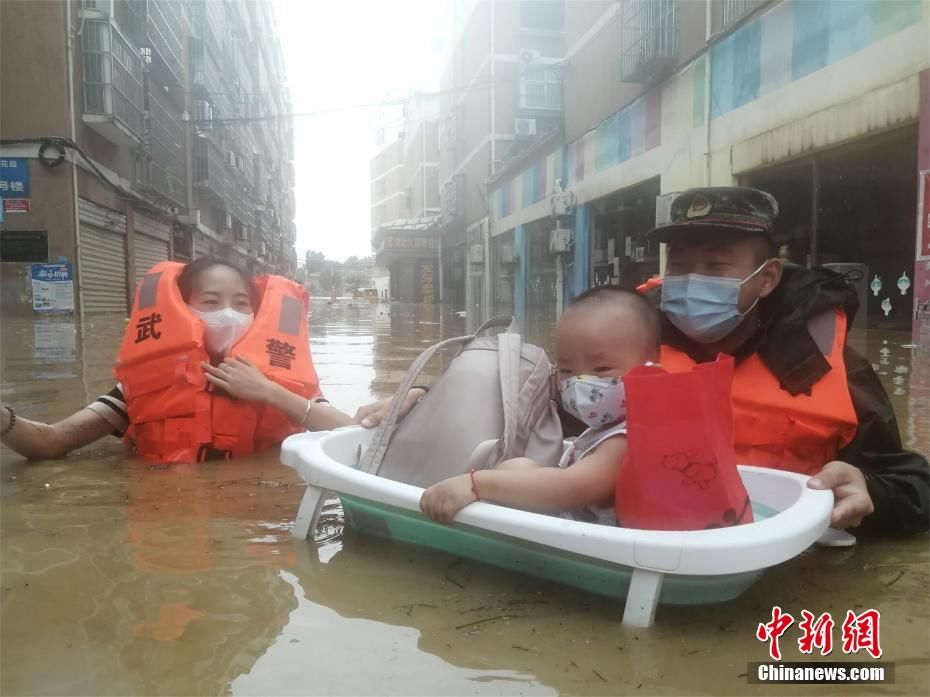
x: 151, y: 244
x: 102, y: 259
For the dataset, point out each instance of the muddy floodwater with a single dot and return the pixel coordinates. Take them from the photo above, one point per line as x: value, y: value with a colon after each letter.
x: 120, y: 579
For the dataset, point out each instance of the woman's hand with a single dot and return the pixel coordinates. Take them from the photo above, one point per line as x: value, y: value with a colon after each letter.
x: 443, y: 500
x: 240, y: 378
x: 371, y: 415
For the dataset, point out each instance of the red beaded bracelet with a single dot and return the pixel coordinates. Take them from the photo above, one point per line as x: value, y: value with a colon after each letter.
x: 474, y: 486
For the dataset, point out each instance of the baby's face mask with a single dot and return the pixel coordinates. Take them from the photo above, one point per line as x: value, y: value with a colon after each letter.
x: 595, y: 400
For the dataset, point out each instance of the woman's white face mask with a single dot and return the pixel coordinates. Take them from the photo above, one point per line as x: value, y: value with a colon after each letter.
x: 223, y: 328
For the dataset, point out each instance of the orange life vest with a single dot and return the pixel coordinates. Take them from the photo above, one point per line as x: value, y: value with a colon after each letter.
x: 174, y: 414
x: 774, y: 429
x: 649, y: 285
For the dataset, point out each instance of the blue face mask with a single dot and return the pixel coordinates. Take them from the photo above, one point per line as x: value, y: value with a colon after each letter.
x: 704, y: 308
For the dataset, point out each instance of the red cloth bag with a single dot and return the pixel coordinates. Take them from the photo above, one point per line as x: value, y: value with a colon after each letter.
x: 680, y: 469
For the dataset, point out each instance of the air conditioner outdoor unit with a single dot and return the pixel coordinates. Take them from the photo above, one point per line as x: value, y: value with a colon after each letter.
x: 560, y: 240
x: 476, y: 253
x: 664, y: 208
x: 562, y: 202
x: 529, y: 56
x: 507, y: 254
x: 524, y: 127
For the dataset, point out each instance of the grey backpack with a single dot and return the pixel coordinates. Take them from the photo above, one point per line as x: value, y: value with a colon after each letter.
x: 494, y: 402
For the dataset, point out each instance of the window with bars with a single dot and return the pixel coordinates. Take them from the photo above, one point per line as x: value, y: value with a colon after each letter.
x: 650, y: 39
x: 112, y: 75
x: 734, y: 10
x: 541, y: 88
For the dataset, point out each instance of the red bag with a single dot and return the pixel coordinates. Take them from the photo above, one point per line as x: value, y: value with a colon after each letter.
x: 680, y: 468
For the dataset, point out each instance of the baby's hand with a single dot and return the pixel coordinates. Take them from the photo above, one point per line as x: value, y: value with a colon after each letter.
x: 443, y: 500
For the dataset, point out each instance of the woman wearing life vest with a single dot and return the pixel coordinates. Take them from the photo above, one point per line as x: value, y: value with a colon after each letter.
x: 212, y: 365
x: 802, y: 399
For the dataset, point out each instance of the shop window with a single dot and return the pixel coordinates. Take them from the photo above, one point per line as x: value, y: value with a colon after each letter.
x: 541, y: 286
x: 503, y: 268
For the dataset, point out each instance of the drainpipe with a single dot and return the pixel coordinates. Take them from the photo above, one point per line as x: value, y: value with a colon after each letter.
x: 493, y: 10
x: 486, y: 289
x: 708, y: 31
x: 69, y: 29
x: 439, y: 258
x: 423, y: 162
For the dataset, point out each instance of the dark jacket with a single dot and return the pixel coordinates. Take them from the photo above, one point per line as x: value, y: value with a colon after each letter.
x: 898, y: 480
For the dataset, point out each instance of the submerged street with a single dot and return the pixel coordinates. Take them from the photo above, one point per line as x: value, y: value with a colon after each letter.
x: 125, y: 578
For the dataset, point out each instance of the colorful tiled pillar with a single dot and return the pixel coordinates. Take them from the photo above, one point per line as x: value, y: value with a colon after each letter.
x: 522, y: 252
x: 581, y: 253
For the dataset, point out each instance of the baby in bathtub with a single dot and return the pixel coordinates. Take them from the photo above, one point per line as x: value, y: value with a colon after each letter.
x: 604, y: 333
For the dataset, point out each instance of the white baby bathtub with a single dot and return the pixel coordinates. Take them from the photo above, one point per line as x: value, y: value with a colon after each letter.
x: 647, y: 567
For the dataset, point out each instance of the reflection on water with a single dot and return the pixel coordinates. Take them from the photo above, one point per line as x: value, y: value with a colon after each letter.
x: 120, y: 578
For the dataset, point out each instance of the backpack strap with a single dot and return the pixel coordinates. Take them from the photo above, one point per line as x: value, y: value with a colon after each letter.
x: 377, y: 449
x: 371, y: 461
x: 509, y: 348
x: 506, y: 321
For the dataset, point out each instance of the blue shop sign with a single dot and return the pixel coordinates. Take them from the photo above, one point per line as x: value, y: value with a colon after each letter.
x: 14, y: 177
x: 51, y: 273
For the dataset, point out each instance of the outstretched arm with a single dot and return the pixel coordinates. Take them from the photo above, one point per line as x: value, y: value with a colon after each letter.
x: 40, y: 441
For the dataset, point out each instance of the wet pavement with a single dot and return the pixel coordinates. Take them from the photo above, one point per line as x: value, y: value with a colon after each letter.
x: 122, y: 579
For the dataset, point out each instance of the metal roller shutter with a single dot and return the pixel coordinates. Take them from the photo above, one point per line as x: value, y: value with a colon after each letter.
x: 148, y: 252
x: 103, y: 270
x: 102, y: 259
x: 151, y: 243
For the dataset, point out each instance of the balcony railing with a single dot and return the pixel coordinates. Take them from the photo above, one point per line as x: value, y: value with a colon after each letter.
x: 207, y: 81
x: 650, y: 39
x: 164, y: 145
x: 452, y: 198
x: 165, y: 32
x: 210, y: 172
x: 209, y: 19
x: 112, y: 76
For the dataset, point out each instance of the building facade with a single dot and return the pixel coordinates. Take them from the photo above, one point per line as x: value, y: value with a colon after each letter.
x: 500, y: 90
x: 405, y: 205
x: 179, y: 112
x: 824, y: 104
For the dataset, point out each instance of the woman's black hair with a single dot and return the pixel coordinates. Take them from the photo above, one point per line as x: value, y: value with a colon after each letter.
x: 195, y: 268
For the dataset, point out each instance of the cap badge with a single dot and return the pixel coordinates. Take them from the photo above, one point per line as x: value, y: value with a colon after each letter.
x: 699, y: 207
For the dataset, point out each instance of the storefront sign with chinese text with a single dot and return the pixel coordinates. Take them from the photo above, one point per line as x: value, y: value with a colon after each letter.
x: 14, y: 177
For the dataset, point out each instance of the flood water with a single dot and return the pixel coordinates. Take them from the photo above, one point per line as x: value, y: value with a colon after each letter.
x: 122, y: 579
